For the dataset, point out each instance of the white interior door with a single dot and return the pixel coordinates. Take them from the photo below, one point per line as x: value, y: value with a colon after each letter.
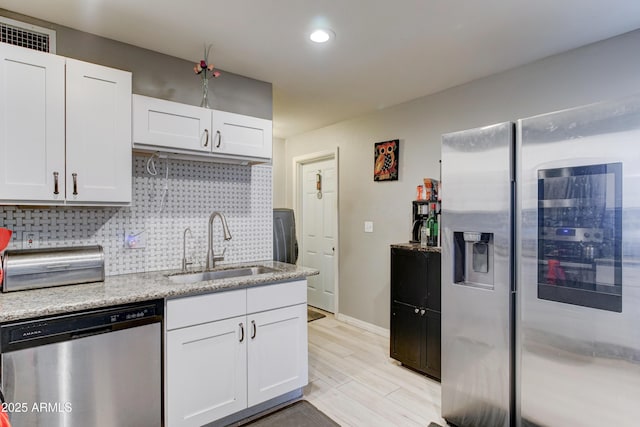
x: 319, y: 226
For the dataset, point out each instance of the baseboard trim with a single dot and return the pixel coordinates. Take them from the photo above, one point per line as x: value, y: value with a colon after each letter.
x: 370, y: 327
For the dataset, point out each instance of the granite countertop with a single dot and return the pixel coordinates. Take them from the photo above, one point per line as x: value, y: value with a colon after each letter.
x: 128, y: 288
x: 416, y: 247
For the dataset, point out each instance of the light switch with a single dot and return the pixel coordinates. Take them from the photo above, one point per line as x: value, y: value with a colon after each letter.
x: 368, y: 226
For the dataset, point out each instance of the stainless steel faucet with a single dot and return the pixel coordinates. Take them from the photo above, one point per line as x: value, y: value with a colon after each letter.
x: 185, y: 263
x: 211, y: 258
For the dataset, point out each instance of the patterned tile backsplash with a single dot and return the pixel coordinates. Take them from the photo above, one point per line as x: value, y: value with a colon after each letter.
x: 193, y: 191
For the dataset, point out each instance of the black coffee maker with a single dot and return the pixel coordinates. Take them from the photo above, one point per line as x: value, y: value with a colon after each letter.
x: 421, y: 209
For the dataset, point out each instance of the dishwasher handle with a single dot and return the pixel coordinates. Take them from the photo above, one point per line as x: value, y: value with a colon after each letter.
x: 91, y: 332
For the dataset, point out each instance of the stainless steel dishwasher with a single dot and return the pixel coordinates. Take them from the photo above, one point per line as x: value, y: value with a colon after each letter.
x: 99, y: 368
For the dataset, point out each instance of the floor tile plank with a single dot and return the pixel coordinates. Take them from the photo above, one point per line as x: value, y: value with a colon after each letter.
x: 353, y: 380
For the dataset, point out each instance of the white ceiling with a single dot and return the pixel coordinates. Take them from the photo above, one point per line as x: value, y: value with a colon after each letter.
x: 385, y: 52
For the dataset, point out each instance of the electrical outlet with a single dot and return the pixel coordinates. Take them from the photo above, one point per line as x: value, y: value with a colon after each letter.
x: 368, y: 226
x: 134, y: 239
x: 30, y: 239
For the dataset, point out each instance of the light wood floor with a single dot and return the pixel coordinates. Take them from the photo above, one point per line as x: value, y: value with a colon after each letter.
x: 353, y: 380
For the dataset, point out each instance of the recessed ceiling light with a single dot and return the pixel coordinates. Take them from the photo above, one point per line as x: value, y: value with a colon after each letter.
x: 321, y: 36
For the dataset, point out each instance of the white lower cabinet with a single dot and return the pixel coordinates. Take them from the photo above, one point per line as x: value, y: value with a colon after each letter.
x: 207, y: 375
x: 277, y: 354
x: 219, y: 363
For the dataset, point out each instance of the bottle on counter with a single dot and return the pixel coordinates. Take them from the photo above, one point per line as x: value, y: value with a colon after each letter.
x: 432, y: 224
x: 434, y: 231
x: 424, y: 234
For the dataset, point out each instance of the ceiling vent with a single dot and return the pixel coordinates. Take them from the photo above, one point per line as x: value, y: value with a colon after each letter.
x: 27, y: 35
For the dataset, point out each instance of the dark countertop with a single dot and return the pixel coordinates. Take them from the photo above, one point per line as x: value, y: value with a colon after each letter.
x: 416, y: 247
x: 128, y: 288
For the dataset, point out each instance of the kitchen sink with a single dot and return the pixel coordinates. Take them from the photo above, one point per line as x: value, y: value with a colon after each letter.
x: 202, y: 276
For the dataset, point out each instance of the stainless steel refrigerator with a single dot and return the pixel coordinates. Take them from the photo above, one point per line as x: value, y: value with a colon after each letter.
x: 541, y: 270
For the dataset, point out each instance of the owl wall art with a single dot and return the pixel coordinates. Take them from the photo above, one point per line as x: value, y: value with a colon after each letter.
x: 385, y: 160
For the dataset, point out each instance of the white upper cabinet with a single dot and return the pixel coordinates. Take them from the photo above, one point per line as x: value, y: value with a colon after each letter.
x: 241, y: 135
x: 31, y: 126
x: 98, y: 134
x: 91, y: 165
x: 160, y: 125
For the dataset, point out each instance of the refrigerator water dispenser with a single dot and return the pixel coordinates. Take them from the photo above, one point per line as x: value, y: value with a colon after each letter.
x: 473, y: 263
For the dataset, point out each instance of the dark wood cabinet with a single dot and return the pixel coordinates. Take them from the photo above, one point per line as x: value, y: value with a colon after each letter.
x: 431, y: 351
x: 415, y: 309
x: 406, y: 335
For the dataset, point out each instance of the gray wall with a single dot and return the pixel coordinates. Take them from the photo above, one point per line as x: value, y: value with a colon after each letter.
x: 604, y: 70
x: 161, y: 76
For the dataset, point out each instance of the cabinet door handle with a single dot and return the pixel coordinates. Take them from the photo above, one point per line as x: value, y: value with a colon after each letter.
x: 55, y: 183
x: 206, y: 141
x: 422, y: 312
x: 75, y: 183
x: 241, y: 331
x: 219, y: 135
x: 416, y: 310
x: 253, y: 325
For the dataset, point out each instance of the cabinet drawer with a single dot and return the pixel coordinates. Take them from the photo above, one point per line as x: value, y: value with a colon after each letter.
x: 268, y: 297
x: 200, y: 309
